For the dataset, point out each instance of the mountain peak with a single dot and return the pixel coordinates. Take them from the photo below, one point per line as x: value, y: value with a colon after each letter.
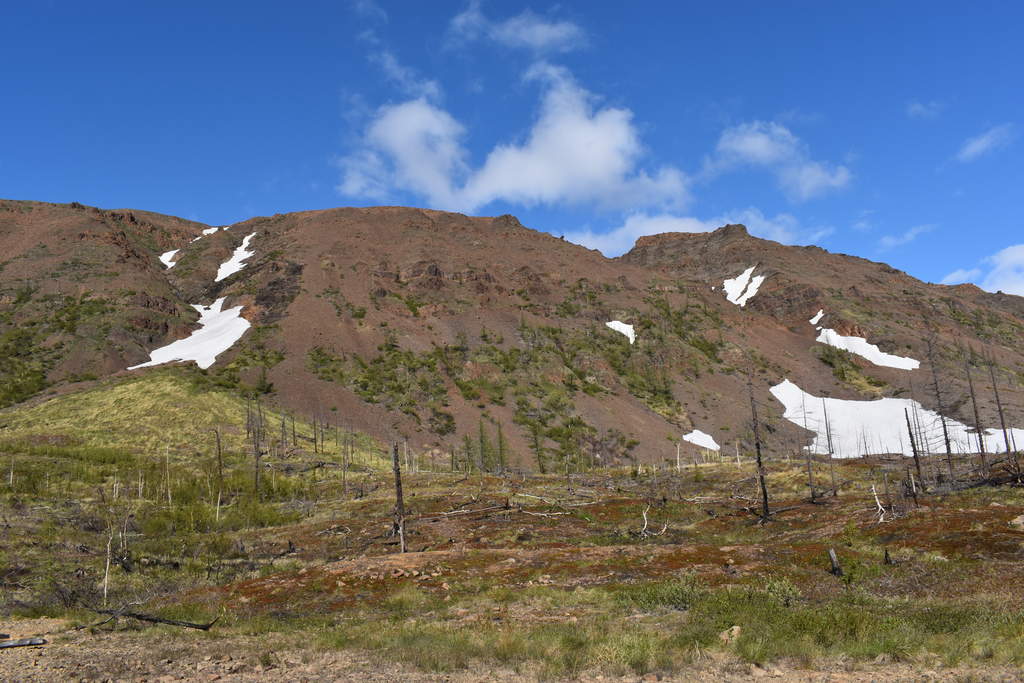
x: 732, y: 230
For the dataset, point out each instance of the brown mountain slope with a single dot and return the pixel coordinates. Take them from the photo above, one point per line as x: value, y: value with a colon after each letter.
x: 863, y: 298
x: 443, y: 328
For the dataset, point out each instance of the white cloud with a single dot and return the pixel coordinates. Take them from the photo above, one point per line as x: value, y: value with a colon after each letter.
x: 619, y: 240
x: 575, y: 152
x: 783, y: 227
x: 923, y: 110
x: 407, y: 80
x: 772, y: 145
x: 892, y: 241
x: 809, y: 179
x: 960, y: 276
x: 526, y: 30
x: 1007, y: 273
x: 864, y: 220
x: 369, y: 9
x: 1004, y: 272
x: 413, y: 146
x: 991, y: 140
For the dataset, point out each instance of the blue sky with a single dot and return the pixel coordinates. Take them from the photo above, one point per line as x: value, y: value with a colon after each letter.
x: 887, y: 130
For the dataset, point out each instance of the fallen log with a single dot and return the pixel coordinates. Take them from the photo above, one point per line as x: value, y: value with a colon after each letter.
x: 123, y: 612
x: 22, y: 642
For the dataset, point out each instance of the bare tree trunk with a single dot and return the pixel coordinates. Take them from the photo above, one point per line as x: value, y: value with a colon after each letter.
x: 999, y: 403
x: 836, y: 570
x: 913, y: 447
x: 344, y: 464
x: 399, y: 526
x: 941, y: 407
x: 810, y: 469
x: 828, y: 437
x: 256, y: 453
x: 220, y: 465
x: 765, y: 513
x: 977, y: 416
x: 167, y: 473
x: 106, y: 572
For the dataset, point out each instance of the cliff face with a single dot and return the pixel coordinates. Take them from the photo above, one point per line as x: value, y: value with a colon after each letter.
x: 433, y: 325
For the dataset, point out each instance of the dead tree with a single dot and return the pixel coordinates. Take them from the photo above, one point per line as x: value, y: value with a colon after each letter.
x: 399, y: 524
x: 765, y: 512
x: 257, y: 449
x: 810, y: 470
x: 344, y: 463
x: 913, y: 447
x: 977, y: 417
x: 999, y: 403
x: 831, y: 452
x: 836, y: 569
x: 220, y: 466
x: 940, y: 405
x: 114, y: 614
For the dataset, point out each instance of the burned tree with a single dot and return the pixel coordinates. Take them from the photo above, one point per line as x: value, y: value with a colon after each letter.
x: 765, y: 512
x: 940, y: 406
x: 398, y: 528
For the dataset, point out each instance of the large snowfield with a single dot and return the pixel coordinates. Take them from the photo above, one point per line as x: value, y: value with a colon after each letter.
x: 877, y: 427
x: 218, y: 330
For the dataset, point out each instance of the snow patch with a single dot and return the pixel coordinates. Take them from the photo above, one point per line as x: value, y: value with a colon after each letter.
x: 236, y: 262
x: 624, y: 328
x: 701, y: 439
x: 862, y: 348
x: 167, y: 258
x: 877, y: 427
x: 817, y: 317
x: 740, y: 289
x: 209, y: 231
x: 218, y: 330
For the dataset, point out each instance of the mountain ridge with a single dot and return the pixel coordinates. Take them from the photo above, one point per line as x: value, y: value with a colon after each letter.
x: 436, y: 326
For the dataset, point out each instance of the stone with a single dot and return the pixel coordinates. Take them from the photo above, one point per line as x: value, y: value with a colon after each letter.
x: 729, y: 635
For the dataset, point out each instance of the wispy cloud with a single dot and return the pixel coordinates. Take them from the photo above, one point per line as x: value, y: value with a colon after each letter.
x: 924, y: 110
x: 1007, y: 272
x: 408, y: 81
x: 369, y: 9
x: 771, y: 145
x: 893, y: 241
x: 864, y: 221
x: 526, y: 30
x: 960, y: 276
x: 989, y: 141
x: 1000, y: 272
x: 576, y: 152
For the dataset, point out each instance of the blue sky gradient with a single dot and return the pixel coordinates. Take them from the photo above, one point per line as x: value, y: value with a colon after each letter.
x: 887, y: 130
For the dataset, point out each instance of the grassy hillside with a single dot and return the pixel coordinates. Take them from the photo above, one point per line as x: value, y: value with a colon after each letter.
x: 154, y: 413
